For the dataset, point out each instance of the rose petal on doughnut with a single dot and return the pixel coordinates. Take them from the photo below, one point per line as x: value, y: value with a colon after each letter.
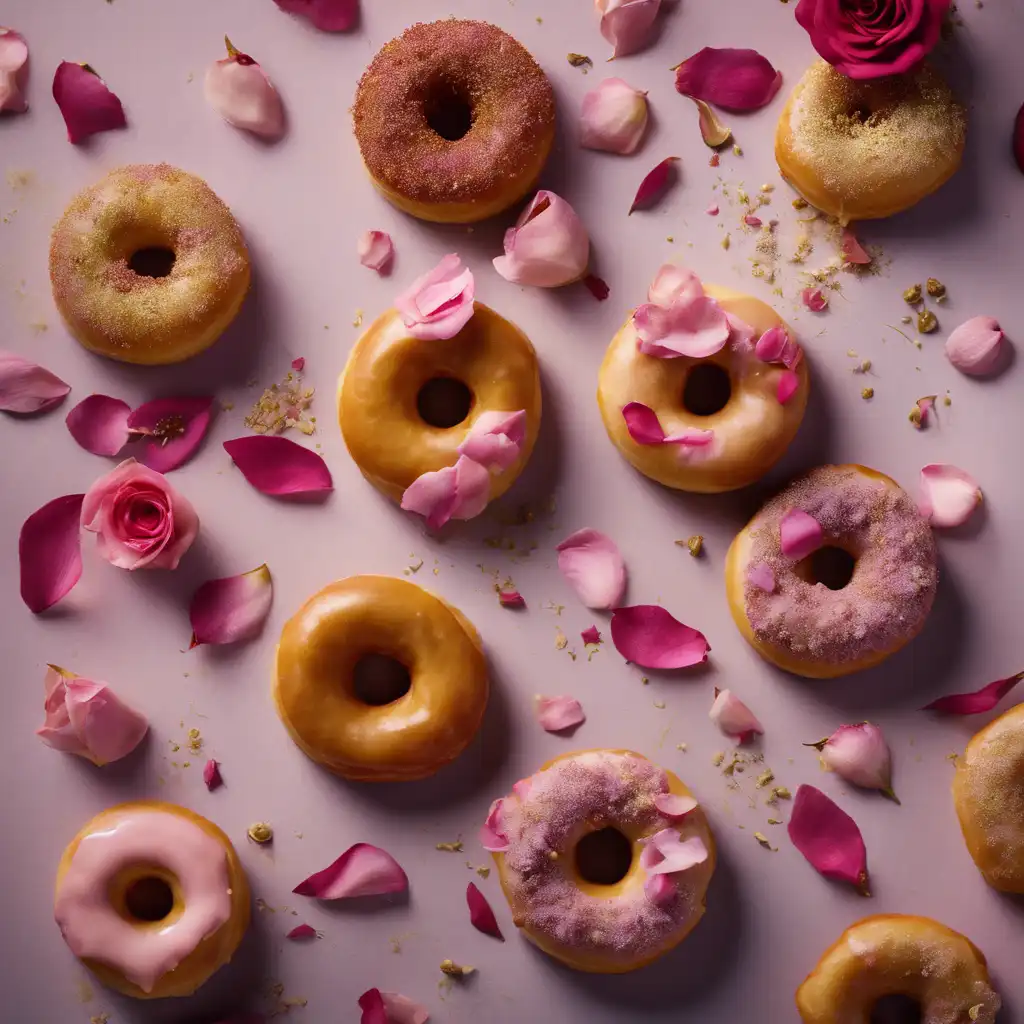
x: 511, y: 599
x: 211, y: 775
x: 303, y: 931
x: 673, y: 284
x: 712, y: 131
x: 455, y: 492
x: 859, y: 754
x: 771, y: 344
x: 597, y: 286
x: 814, y: 299
x: 13, y: 69
x: 438, y: 304
x: 85, y: 102
x: 594, y: 567
x: 666, y: 854
x: 626, y: 24
x: 99, y: 424
x: 278, y: 466
x: 174, y: 429
x: 696, y: 327
x: 733, y: 717
x: 829, y: 838
x: 613, y: 117
x: 674, y: 805
x: 362, y: 870
x: 762, y: 577
x: 375, y: 250
x: 326, y: 15
x: 591, y: 635
x: 977, y: 702
x: 481, y: 916
x: 50, y: 552
x: 975, y: 346
x: 241, y: 92
x: 853, y: 251
x: 549, y: 246
x: 739, y: 80
x: 228, y: 610
x: 643, y: 424
x: 556, y: 714
x: 741, y: 335
x: 789, y: 384
x: 949, y: 495
x: 492, y: 837
x: 800, y: 534
x: 655, y: 184
x: 495, y: 439
x: 648, y: 636
x: 26, y: 387
x: 660, y: 890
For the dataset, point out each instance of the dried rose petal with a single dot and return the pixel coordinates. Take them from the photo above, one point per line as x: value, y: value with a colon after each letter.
x: 232, y: 609
x: 976, y: 346
x: 13, y: 71
x: 50, y: 552
x: 303, y: 931
x: 549, y: 246
x: 26, y: 388
x: 655, y: 184
x: 949, y: 496
x: 511, y: 599
x: 362, y: 870
x: 801, y: 534
x: 326, y: 15
x: 859, y: 754
x: 211, y: 775
x: 173, y: 428
x: 752, y: 220
x: 674, y: 805
x: 278, y: 466
x: 87, y: 105
x: 626, y: 24
x: 977, y: 702
x: 481, y: 915
x: 455, y: 492
x: 713, y: 210
x: 814, y: 299
x: 853, y: 251
x: 739, y: 80
x: 591, y: 635
x: 829, y: 838
x: 241, y: 92
x: 375, y: 250
x: 99, y: 424
x: 613, y: 117
x: 733, y: 717
x: 597, y: 286
x: 299, y: 364
x: 556, y: 714
x: 648, y: 636
x: 492, y: 838
x: 665, y: 853
x: 712, y: 131
x: 593, y: 565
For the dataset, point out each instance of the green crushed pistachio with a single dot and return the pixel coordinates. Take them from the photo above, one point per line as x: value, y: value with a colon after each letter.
x: 765, y: 778
x: 718, y: 759
x: 800, y: 203
x: 775, y: 821
x: 695, y: 544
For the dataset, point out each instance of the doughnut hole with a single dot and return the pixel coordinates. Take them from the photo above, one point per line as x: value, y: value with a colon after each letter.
x: 707, y: 389
x: 896, y: 1009
x: 830, y: 565
x: 147, y: 899
x: 603, y: 857
x: 448, y: 109
x: 152, y: 261
x: 444, y: 402
x: 379, y: 679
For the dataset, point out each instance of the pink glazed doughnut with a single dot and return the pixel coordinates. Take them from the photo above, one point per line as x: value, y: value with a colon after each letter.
x: 152, y: 899
x: 846, y: 595
x: 584, y: 850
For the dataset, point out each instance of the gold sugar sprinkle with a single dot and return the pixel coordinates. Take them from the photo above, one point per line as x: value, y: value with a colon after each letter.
x: 775, y: 821
x: 261, y: 832
x: 867, y: 393
x: 282, y: 406
x: 718, y: 758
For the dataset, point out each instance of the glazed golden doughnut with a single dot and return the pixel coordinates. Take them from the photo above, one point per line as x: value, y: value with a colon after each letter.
x: 894, y: 955
x: 752, y: 430
x: 988, y: 792
x: 148, y: 265
x: 859, y: 150
x: 602, y: 926
x: 152, y: 898
x: 454, y: 120
x: 379, y: 680
x: 392, y: 380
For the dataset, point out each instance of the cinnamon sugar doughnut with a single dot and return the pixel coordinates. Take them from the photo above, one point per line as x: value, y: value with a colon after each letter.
x: 454, y: 120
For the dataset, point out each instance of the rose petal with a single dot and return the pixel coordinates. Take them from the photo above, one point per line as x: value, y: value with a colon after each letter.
x: 299, y: 364
x: 741, y: 335
x: 859, y: 754
x: 949, y: 496
x: 594, y: 567
x: 674, y: 284
x: 50, y: 552
x: 762, y: 577
x: 85, y: 102
x: 241, y: 92
x: 25, y: 387
x: 789, y: 384
x: 511, y: 599
x: 495, y: 439
x: 626, y: 24
x: 278, y: 466
x: 734, y: 718
x: 303, y: 931
x: 375, y: 250
x: 492, y: 837
x: 211, y: 775
x: 481, y: 916
x: 99, y: 424
x: 438, y: 304
x: 732, y: 79
x: 402, y: 1010
x: 556, y: 714
x: 674, y: 805
x: 829, y: 838
x: 697, y: 328
x: 814, y: 299
x: 175, y: 427
x: 771, y: 344
x: 455, y: 492
x: 800, y: 534
x: 713, y: 210
x: 661, y: 891
x: 655, y: 184
x: 666, y: 854
x: 13, y: 71
x: 56, y: 731
x: 752, y: 220
x: 712, y: 131
x: 326, y: 15
x: 975, y: 346
x: 853, y: 251
x: 228, y: 610
x: 977, y: 702
x: 362, y: 870
x: 648, y: 636
x: 597, y: 286
x: 643, y: 424
x: 613, y: 117
x: 371, y: 1002
x: 591, y: 635
x: 549, y: 246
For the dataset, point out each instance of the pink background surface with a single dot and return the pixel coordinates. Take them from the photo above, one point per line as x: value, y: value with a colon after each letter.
x: 302, y: 205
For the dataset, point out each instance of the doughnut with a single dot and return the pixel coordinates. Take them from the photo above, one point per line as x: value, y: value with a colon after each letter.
x: 732, y: 393
x: 405, y: 405
x: 379, y: 680
x: 988, y: 793
x: 864, y: 593
x: 859, y: 150
x: 572, y: 869
x: 152, y: 899
x: 899, y: 964
x: 454, y: 121
x: 148, y: 265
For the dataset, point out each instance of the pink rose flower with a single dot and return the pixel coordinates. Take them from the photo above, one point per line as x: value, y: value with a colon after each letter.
x: 871, y: 40
x: 140, y: 520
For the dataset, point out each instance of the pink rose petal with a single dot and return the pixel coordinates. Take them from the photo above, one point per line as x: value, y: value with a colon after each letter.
x: 495, y: 439
x: 674, y: 805
x: 303, y: 931
x: 241, y: 92
x: 752, y: 220
x: 50, y: 552
x: 211, y: 775
x: 362, y: 870
x: 174, y: 429
x: 789, y: 384
x: 25, y: 387
x: 697, y: 327
x: 648, y: 636
x: 977, y: 702
x: 438, y: 304
x: 228, y: 610
x: 99, y: 424
x: 591, y: 635
x: 801, y: 534
x: 655, y: 184
x: 666, y: 854
x: 673, y: 285
x: 511, y: 599
x: 556, y: 714
x: 597, y: 286
x: 738, y: 80
x: 627, y: 24
x: 549, y: 246
x: 741, y: 335
x: 661, y: 891
x: 326, y: 15
x: 643, y: 424
x: 949, y: 496
x: 375, y: 250
x: 455, y: 492
x: 829, y: 838
x: 853, y: 251
x: 613, y: 117
x: 975, y: 346
x: 762, y: 577
x: 481, y: 916
x: 594, y: 567
x: 278, y: 466
x: 371, y: 1003
x: 771, y: 345
x: 13, y: 71
x: 85, y: 102
x: 734, y: 718
x: 814, y: 299
x: 390, y: 1008
x: 712, y: 131
x: 713, y: 210
x: 492, y: 837
x: 299, y: 364
x: 860, y: 755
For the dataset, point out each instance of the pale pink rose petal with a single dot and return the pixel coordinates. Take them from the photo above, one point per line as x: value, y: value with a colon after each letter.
x: 762, y: 577
x: 800, y: 534
x: 549, y: 246
x: 495, y: 439
x: 626, y: 24
x: 375, y: 250
x: 492, y: 837
x: 303, y: 931
x: 438, y: 304
x: 591, y: 635
x: 814, y: 299
x: 666, y: 854
x: 25, y: 387
x: 734, y: 718
x: 691, y: 440
x: 975, y: 346
x: 674, y: 805
x: 853, y: 251
x: 455, y: 492
x: 661, y: 891
x: 594, y: 567
x: 697, y: 328
x: 13, y: 71
x: 859, y: 754
x: 326, y: 15
x: 50, y: 552
x: 655, y: 184
x: 278, y: 466
x: 174, y: 429
x: 556, y: 714
x: 403, y: 1010
x: 673, y: 284
x: 712, y: 131
x: 979, y: 701
x: 738, y: 80
x: 99, y: 424
x: 481, y: 916
x: 228, y: 610
x: 241, y: 92
x: 85, y: 102
x: 57, y: 731
x: 829, y: 838
x: 211, y: 775
x: 108, y: 728
x: 949, y: 496
x: 613, y: 117
x: 648, y: 636
x: 652, y: 322
x: 362, y: 870
x: 741, y: 335
x: 789, y: 384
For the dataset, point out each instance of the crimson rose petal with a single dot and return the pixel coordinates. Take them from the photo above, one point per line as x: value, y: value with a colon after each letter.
x: 739, y: 80
x: 85, y: 102
x: 50, y: 552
